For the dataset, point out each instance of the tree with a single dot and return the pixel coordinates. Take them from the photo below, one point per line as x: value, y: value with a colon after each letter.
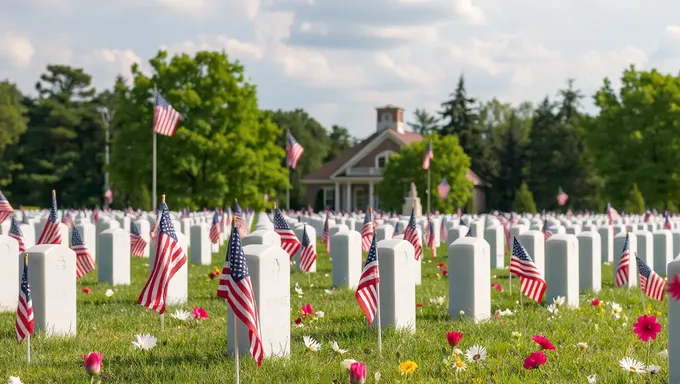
x: 636, y: 136
x: 340, y: 141
x: 459, y: 118
x: 635, y: 203
x: 13, y: 124
x: 224, y: 148
x: 313, y: 137
x: 511, y: 159
x: 423, y: 122
x: 524, y: 200
x: 405, y: 167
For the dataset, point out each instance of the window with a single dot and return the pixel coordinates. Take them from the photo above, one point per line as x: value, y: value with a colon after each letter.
x: 386, y: 117
x: 381, y: 159
x: 329, y: 197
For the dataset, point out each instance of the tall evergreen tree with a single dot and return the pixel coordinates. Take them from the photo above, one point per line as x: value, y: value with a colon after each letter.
x: 511, y: 159
x: 423, y: 122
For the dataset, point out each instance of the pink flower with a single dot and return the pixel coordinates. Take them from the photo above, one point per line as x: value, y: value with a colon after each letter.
x: 596, y: 303
x: 419, y: 305
x: 454, y: 338
x: 357, y: 373
x: 535, y: 360
x: 497, y: 287
x: 200, y: 313
x: 87, y: 290
x: 646, y: 328
x: 307, y: 310
x: 674, y: 287
x: 543, y: 342
x: 93, y: 363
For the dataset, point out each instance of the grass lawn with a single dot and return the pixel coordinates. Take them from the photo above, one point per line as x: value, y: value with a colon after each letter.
x: 190, y: 352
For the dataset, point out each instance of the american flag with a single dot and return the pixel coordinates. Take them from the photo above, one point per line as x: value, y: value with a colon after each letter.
x: 667, y: 221
x: 562, y: 196
x: 650, y: 282
x: 137, y: 242
x: 459, y: 212
x: 367, y: 292
x: 50, y: 233
x: 367, y: 232
x: 443, y: 233
x: 546, y: 231
x: 170, y: 257
x: 443, y: 189
x: 215, y: 230
x: 25, y: 321
x: 308, y: 254
x: 236, y: 288
x: 240, y: 218
x: 624, y: 263
x: 396, y: 229
x: 326, y: 236
x: 5, y: 208
x: 67, y: 220
x: 411, y: 235
x: 84, y: 261
x: 531, y: 282
x: 428, y: 156
x: 15, y: 233
x: 289, y: 242
x: 612, y: 214
x: 165, y: 119
x: 293, y: 151
x: 95, y: 215
x: 430, y: 238
x: 108, y: 195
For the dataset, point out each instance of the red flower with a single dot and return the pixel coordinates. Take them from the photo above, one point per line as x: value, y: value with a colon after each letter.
x: 646, y: 328
x: 419, y: 305
x: 307, y: 310
x: 298, y: 321
x: 441, y: 265
x: 674, y: 287
x: 445, y: 272
x: 87, y: 290
x: 535, y: 360
x: 497, y: 286
x: 596, y: 303
x: 454, y: 338
x: 544, y: 343
x: 200, y: 313
x: 93, y: 363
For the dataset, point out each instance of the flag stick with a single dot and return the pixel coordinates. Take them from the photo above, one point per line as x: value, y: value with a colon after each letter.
x: 28, y: 338
x: 290, y: 171
x: 377, y: 319
x: 509, y: 273
x: 162, y: 314
x: 429, y: 184
x: 642, y: 294
x: 153, y: 166
x: 236, y: 362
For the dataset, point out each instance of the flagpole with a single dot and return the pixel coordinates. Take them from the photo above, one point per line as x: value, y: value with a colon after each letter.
x: 28, y: 338
x: 290, y: 171
x: 162, y: 201
x: 153, y: 130
x: 377, y: 318
x: 509, y: 273
x: 642, y: 294
x: 236, y: 362
x: 429, y: 192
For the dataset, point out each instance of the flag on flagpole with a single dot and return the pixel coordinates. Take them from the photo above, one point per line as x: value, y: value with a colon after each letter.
x: 170, y: 257
x: 430, y: 239
x: 428, y: 156
x: 50, y: 233
x: 289, y: 242
x: 650, y: 282
x: 562, y: 196
x: 84, y: 261
x: 367, y: 292
x: 396, y: 229
x: 109, y: 196
x: 15, y: 233
x: 5, y: 208
x: 531, y: 282
x: 165, y: 119
x: 215, y: 230
x: 308, y: 253
x: 137, y: 242
x: 241, y: 222
x: 293, y: 151
x: 443, y: 189
x: 367, y: 232
x: 326, y: 236
x: 236, y: 288
x: 667, y: 221
x: 624, y: 263
x: 546, y: 230
x: 24, y: 324
x: 411, y: 235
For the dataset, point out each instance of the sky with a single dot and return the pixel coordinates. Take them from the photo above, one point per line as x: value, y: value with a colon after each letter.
x: 340, y: 59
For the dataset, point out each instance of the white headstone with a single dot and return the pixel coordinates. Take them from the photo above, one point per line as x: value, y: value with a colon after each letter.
x: 64, y: 231
x: 397, y: 288
x: 113, y: 265
x: 645, y: 247
x: 265, y: 237
x: 124, y: 223
x: 201, y: 249
x: 346, y: 259
x: 562, y: 270
x: 383, y: 232
x: 495, y: 236
x: 534, y: 243
x: 469, y: 280
x: 28, y: 230
x: 52, y: 275
x: 269, y: 271
x: 607, y: 243
x: 9, y: 279
x: 88, y: 232
x: 590, y: 261
x: 663, y: 250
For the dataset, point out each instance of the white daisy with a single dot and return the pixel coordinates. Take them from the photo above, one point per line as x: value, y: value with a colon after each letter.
x: 347, y: 363
x: 653, y: 369
x: 144, y: 342
x: 506, y: 312
x: 592, y: 379
x: 377, y: 376
x: 109, y: 292
x: 319, y: 314
x: 329, y: 291
x: 475, y: 354
x: 631, y: 365
x: 461, y: 313
x: 335, y: 347
x: 298, y: 290
x: 182, y: 315
x: 14, y: 380
x: 582, y: 346
x: 558, y: 301
x: 437, y: 300
x: 311, y: 344
x: 552, y: 308
x: 459, y: 366
x: 616, y: 310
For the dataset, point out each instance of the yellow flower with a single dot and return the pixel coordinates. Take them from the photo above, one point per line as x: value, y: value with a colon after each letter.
x: 516, y: 335
x: 407, y: 367
x: 459, y: 366
x: 658, y: 313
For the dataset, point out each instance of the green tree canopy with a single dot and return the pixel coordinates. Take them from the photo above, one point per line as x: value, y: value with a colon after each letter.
x: 405, y: 167
x: 635, y: 203
x: 524, y: 200
x: 225, y: 147
x: 13, y: 123
x: 340, y: 141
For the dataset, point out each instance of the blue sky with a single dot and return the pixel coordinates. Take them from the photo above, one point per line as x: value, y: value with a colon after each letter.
x: 339, y: 59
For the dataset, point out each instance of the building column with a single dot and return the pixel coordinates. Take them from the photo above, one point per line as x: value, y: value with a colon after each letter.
x: 348, y: 197
x: 337, y: 197
x: 370, y: 195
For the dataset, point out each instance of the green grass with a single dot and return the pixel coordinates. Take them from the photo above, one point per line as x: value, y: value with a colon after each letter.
x: 196, y: 352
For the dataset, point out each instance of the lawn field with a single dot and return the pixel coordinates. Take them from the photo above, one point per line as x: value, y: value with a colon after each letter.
x: 195, y: 352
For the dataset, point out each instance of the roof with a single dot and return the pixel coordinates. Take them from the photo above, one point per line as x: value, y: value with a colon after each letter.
x: 325, y: 172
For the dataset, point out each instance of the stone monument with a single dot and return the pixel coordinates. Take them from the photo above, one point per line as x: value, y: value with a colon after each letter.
x: 412, y: 202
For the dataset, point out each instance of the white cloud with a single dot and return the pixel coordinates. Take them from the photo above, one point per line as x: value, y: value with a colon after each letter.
x: 469, y: 13
x: 121, y: 60
x: 17, y: 48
